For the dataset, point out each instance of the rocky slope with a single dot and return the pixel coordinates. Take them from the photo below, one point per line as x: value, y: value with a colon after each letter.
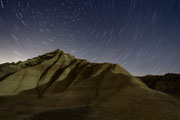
x: 59, y: 86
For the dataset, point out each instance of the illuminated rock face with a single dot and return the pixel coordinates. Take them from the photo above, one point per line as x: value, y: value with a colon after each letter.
x: 59, y: 86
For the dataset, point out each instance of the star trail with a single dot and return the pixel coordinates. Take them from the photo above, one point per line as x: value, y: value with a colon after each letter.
x: 143, y: 36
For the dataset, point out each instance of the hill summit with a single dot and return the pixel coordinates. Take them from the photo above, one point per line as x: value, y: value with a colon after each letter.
x: 57, y: 85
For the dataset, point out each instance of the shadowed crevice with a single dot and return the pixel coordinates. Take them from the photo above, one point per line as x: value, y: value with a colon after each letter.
x: 45, y: 73
x: 101, y: 77
x: 88, y: 73
x: 65, y: 83
x: 6, y: 76
x: 73, y: 75
x: 55, y: 77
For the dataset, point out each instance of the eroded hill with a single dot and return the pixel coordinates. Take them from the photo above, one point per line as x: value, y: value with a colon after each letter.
x: 59, y: 86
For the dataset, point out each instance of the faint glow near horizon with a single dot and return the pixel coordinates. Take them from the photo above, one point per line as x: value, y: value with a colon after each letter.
x: 142, y: 36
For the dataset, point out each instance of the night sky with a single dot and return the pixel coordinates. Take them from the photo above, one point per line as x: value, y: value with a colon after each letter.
x: 143, y: 36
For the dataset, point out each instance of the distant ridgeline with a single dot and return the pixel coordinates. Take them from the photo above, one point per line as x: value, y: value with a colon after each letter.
x: 169, y: 83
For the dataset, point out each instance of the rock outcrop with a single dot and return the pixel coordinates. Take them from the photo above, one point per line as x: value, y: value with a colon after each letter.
x: 59, y: 86
x: 169, y: 83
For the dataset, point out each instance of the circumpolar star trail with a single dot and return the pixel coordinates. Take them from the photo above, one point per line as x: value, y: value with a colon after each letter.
x: 143, y: 36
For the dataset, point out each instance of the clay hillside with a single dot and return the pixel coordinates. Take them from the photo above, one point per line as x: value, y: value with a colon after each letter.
x: 57, y: 86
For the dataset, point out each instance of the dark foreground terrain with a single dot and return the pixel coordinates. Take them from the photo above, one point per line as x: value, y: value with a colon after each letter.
x: 57, y: 86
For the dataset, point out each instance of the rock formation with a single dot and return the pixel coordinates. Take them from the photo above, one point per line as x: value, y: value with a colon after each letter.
x: 59, y: 86
x: 168, y: 83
